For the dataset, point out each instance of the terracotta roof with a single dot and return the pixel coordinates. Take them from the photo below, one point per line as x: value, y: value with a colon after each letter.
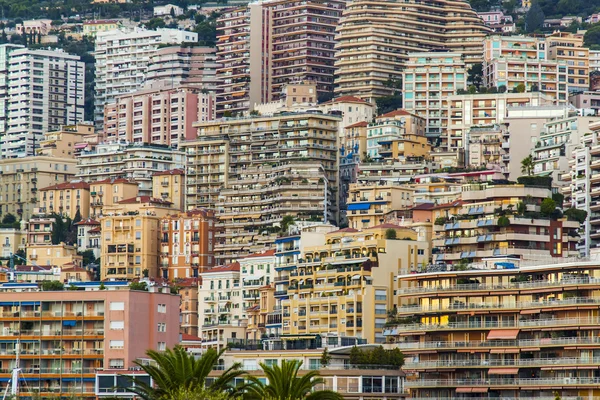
x: 33, y: 268
x: 170, y: 172
x: 360, y: 124
x: 386, y: 226
x: 455, y: 203
x: 87, y: 221
x: 190, y: 338
x: 74, y: 269
x: 101, y: 21
x: 346, y: 99
x: 424, y: 206
x: 394, y: 114
x: 187, y: 282
x: 95, y: 230
x: 144, y: 199
x: 235, y: 266
x: 68, y: 185
x: 265, y: 253
x: 346, y: 230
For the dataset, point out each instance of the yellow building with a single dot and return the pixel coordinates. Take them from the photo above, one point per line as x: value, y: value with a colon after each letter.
x: 130, y: 237
x: 347, y: 285
x: 66, y: 199
x: 109, y: 192
x: 170, y: 186
x: 91, y: 28
x: 12, y: 240
x: 370, y: 203
x: 53, y: 254
x: 62, y: 143
x: 354, y: 139
x: 397, y: 126
x: 21, y: 179
x: 568, y: 48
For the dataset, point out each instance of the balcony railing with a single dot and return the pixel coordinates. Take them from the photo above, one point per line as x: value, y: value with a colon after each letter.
x: 554, y: 381
x: 502, y: 363
x: 524, y: 343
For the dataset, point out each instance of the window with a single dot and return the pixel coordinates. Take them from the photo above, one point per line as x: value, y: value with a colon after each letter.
x: 314, y: 363
x: 138, y: 235
x: 162, y: 327
x: 117, y: 363
x: 117, y: 325
x: 117, y: 306
x: 420, y: 252
x: 162, y: 346
x: 162, y: 308
x: 117, y: 344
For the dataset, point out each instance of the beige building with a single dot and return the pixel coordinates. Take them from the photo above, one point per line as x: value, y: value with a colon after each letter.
x: 39, y: 230
x: 12, y: 240
x: 92, y: 27
x: 158, y: 116
x: 428, y: 79
x: 175, y: 66
x: 354, y: 141
x: 109, y: 192
x: 66, y: 199
x: 370, y: 203
x: 374, y: 40
x: 34, y: 26
x: 405, y: 129
x: 258, y: 170
x: 62, y: 143
x: 21, y: 179
x: 346, y: 285
x: 53, y: 255
x: 353, y: 110
x: 488, y: 145
x: 256, y: 67
x: 170, y: 186
x: 130, y: 238
x: 568, y: 48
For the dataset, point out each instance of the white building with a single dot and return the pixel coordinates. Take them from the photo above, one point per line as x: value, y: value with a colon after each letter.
x: 5, y: 50
x: 220, y: 306
x: 168, y: 10
x: 594, y: 60
x: 256, y: 270
x: 122, y: 58
x: 46, y: 92
x: 88, y: 236
x: 131, y: 161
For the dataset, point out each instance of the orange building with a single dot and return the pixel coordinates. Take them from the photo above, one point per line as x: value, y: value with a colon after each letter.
x: 187, y: 243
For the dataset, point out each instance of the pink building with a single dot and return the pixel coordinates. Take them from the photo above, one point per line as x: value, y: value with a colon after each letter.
x: 66, y: 337
x: 158, y: 116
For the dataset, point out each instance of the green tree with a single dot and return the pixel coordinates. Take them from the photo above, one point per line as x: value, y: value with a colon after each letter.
x: 527, y: 165
x: 52, y: 286
x: 534, y: 19
x: 576, y: 214
x: 155, y: 23
x: 142, y: 286
x: 475, y: 75
x: 88, y: 256
x: 390, y: 234
x: 9, y: 219
x: 389, y: 103
x: 547, y: 207
x: 520, y: 88
x: 286, y: 222
x: 286, y: 384
x: 175, y: 372
x: 325, y: 358
x: 592, y: 36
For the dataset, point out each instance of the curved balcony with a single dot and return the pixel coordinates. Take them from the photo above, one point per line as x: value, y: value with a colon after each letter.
x: 523, y: 343
x: 525, y: 363
x: 525, y: 383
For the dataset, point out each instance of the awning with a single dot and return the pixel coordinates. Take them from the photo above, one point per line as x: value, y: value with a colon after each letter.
x: 479, y: 390
x: 464, y: 390
x: 69, y: 323
x: 79, y: 146
x: 503, y: 371
x: 356, y: 277
x: 504, y: 351
x: 503, y: 334
x: 359, y: 206
x: 530, y: 311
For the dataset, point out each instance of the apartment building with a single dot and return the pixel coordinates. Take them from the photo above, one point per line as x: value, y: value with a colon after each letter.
x: 187, y: 243
x: 467, y: 110
x: 497, y: 21
x: 352, y: 109
x: 158, y: 116
x: 188, y: 309
x: 344, y: 285
x: 374, y: 40
x: 555, y: 65
x: 594, y: 60
x: 39, y: 229
x: 183, y: 66
x: 558, y: 140
x: 31, y: 110
x: 220, y: 306
x: 13, y: 240
x: 354, y: 142
x: 55, y: 255
x: 170, y: 186
x: 108, y: 192
x: 64, y: 337
x: 353, y: 382
x: 5, y: 50
x: 503, y: 220
x: 92, y: 27
x: 62, y: 143
x: 405, y: 129
x: 489, y: 146
x: 370, y: 203
x: 428, y: 80
x: 582, y: 191
x: 587, y: 102
x: 132, y: 161
x: 67, y: 199
x: 255, y: 68
x: 21, y: 179
x: 122, y: 58
x: 257, y: 271
x: 257, y: 170
x: 34, y: 26
x: 130, y: 238
x: 535, y: 340
x: 88, y: 236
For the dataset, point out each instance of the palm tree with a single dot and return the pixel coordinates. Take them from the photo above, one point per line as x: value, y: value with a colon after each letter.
x: 285, y: 384
x: 177, y: 375
x: 527, y: 165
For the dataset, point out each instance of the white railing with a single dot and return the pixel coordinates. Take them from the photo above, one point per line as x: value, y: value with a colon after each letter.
x: 555, y: 381
x: 502, y: 363
x: 500, y: 343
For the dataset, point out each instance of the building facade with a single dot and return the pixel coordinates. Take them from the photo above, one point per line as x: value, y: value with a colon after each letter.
x: 67, y: 199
